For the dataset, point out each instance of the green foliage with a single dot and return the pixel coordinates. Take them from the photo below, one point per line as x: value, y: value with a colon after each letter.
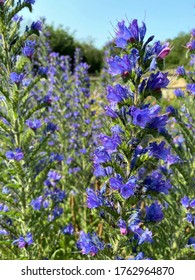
x: 64, y: 43
x: 178, y: 54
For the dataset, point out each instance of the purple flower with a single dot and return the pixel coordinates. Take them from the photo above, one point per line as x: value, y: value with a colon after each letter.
x: 30, y: 1
x: 29, y: 48
x: 23, y: 242
x: 133, y: 33
x: 34, y: 124
x: 192, y: 203
x: 17, y: 18
x: 119, y: 66
x: 154, y: 213
x: 164, y: 52
x: 93, y: 199
x: 36, y: 25
x: 117, y: 93
x: 16, y: 78
x: 178, y: 92
x: 146, y: 236
x: 89, y: 243
x: 37, y: 203
x: 192, y: 60
x: 111, y: 111
x: 181, y: 71
x: 158, y: 151
x: 189, y: 217
x: 191, y: 45
x: 171, y: 110
x: 51, y: 127
x: 69, y: 229
x: 17, y: 154
x: 154, y: 182
x: 56, y: 213
x: 127, y: 190
x: 100, y: 171
x: 123, y: 227
x: 156, y: 81
x: 116, y: 184
x: 4, y: 207
x: 52, y: 178
x: 56, y: 157
x: 187, y: 203
x: 141, y: 117
x: 140, y: 256
x: 3, y: 232
x: 148, y: 117
x: 101, y: 155
x: 109, y: 143
x: 191, y: 241
x: 191, y: 88
x: 57, y: 195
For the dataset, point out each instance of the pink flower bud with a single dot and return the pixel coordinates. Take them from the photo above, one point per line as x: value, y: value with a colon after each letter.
x: 123, y: 231
x: 164, y: 53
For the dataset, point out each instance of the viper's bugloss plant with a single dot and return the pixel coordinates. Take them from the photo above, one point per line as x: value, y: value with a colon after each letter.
x: 133, y: 162
x: 79, y: 184
x: 29, y: 181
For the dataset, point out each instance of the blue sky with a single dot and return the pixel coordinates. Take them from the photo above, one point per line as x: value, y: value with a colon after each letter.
x: 95, y: 18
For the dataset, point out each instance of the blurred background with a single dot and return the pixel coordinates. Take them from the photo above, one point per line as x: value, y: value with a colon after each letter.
x: 89, y: 25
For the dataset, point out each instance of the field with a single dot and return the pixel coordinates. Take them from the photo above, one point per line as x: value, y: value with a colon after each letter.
x: 94, y: 168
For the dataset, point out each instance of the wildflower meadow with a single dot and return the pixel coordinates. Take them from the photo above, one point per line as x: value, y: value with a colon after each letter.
x: 94, y: 170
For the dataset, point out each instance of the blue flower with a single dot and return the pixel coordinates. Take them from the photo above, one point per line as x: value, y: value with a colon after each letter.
x: 30, y: 1
x: 116, y: 183
x: 101, y: 155
x: 100, y: 171
x: 127, y: 190
x: 56, y: 213
x: 51, y: 127
x: 117, y: 93
x: 148, y: 117
x: 146, y: 236
x: 57, y: 195
x: 110, y: 143
x: 29, y: 48
x: 123, y: 227
x: 4, y: 207
x: 3, y: 232
x: 52, y: 178
x: 133, y: 33
x: 37, y: 203
x: 154, y: 213
x: 69, y: 229
x: 17, y: 18
x: 17, y: 154
x: 187, y: 203
x: 178, y: 92
x: 156, y: 81
x: 23, y: 242
x: 191, y: 242
x: 36, y: 25
x: 94, y: 199
x: 191, y: 88
x: 111, y: 111
x: 34, y: 124
x: 17, y: 78
x: 181, y: 71
x: 89, y: 243
x: 141, y: 117
x: 154, y: 182
x: 119, y: 66
x: 158, y: 150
